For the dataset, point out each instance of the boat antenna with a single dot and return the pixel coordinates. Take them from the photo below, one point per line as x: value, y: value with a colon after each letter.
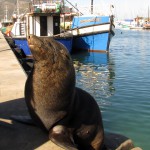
x: 91, y: 6
x: 148, y: 13
x: 6, y: 14
x: 18, y: 8
x: 74, y: 7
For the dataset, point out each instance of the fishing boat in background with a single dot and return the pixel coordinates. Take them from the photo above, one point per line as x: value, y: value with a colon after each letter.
x: 137, y: 23
x: 146, y: 25
x: 147, y: 22
x: 43, y: 20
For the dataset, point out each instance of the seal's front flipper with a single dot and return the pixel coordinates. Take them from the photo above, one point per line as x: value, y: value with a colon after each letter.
x: 23, y: 119
x: 62, y: 137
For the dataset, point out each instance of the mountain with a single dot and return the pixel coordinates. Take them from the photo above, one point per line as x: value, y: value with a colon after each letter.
x: 12, y: 7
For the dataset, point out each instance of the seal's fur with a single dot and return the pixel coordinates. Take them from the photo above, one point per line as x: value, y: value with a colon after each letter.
x: 70, y: 115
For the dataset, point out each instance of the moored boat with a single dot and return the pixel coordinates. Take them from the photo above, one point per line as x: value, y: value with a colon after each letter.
x: 92, y: 30
x: 92, y: 33
x: 146, y: 25
x: 147, y: 22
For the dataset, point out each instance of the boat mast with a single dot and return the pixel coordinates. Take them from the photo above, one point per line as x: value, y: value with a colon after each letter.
x: 148, y: 13
x: 18, y: 8
x: 91, y: 6
x: 6, y: 14
x: 74, y: 7
x: 18, y: 13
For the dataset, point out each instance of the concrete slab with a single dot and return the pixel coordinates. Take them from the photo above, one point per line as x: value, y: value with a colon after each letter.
x: 14, y: 135
x: 12, y: 77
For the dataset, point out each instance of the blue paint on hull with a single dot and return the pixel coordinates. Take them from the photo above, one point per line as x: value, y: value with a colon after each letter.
x: 92, y: 42
x: 23, y: 44
x: 67, y: 43
x: 98, y: 40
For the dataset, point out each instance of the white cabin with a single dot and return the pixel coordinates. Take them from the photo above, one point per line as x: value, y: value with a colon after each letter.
x: 40, y: 24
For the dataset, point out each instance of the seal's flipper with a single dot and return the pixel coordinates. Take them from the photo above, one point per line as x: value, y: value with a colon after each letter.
x: 62, y: 137
x: 22, y: 119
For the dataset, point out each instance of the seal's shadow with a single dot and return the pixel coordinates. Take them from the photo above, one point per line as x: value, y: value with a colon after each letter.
x: 15, y: 135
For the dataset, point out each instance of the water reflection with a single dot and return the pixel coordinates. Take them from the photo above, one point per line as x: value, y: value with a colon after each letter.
x: 95, y: 73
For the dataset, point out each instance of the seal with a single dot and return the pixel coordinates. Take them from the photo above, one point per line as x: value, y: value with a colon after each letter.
x: 69, y: 114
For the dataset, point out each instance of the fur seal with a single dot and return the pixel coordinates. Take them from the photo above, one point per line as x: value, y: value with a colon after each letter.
x: 70, y: 114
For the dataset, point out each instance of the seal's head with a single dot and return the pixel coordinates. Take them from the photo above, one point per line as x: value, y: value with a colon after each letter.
x: 46, y: 48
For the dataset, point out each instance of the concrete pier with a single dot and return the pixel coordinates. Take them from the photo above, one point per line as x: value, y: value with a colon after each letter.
x: 12, y: 77
x: 14, y: 135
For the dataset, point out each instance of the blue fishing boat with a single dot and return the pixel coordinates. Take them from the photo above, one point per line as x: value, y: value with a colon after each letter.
x: 93, y: 30
x: 43, y: 20
x: 92, y: 33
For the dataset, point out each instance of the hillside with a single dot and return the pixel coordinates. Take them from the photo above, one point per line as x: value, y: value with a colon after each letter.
x: 11, y: 6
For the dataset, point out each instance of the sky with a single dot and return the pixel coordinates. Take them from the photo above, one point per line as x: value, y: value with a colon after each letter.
x: 123, y: 9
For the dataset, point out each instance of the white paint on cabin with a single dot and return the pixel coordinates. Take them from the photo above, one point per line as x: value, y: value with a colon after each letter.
x: 30, y: 25
x: 36, y: 26
x: 50, y: 25
x: 16, y: 29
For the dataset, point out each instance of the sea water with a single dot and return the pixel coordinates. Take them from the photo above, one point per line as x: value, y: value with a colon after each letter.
x: 120, y: 83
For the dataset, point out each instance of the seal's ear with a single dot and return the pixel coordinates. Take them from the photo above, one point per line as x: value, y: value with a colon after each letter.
x: 62, y: 137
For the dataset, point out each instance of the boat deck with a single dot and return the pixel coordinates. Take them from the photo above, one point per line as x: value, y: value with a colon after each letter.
x: 14, y: 135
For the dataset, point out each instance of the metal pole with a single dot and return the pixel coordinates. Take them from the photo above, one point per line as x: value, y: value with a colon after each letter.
x: 148, y: 13
x: 91, y: 6
x: 74, y: 7
x: 6, y: 14
x: 18, y: 8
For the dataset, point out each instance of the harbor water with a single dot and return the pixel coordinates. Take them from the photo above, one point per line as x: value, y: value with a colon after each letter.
x: 120, y: 83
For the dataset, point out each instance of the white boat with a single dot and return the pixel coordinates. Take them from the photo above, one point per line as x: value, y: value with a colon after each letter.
x: 44, y: 21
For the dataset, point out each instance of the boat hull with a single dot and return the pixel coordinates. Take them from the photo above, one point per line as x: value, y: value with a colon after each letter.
x: 92, y: 33
x: 23, y: 44
x: 67, y: 42
x: 93, y: 43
